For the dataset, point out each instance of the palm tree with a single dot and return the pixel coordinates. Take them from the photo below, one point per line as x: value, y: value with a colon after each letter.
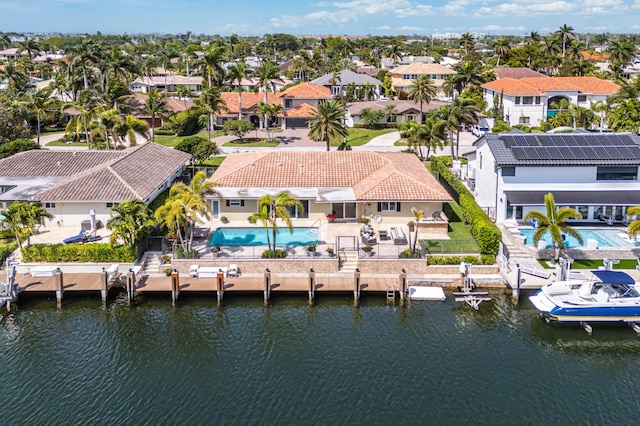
x: 269, y: 112
x: 468, y: 74
x: 130, y: 126
x: 422, y: 90
x: 501, y: 47
x: 21, y: 218
x: 450, y: 118
x: 156, y: 106
x: 621, y: 52
x: 213, y: 58
x: 30, y: 46
x: 40, y: 103
x: 533, y: 39
x: 279, y: 208
x: 634, y: 227
x: 566, y: 33
x: 130, y: 221
x: 327, y: 122
x: 467, y: 42
x: 237, y: 72
x: 466, y: 112
x: 417, y: 216
x: 263, y: 216
x: 88, y: 108
x: 554, y: 223
x: 211, y: 103
x: 266, y: 72
x: 432, y: 134
x: 601, y: 108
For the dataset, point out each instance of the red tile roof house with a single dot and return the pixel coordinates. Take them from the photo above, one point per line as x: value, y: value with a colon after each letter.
x: 529, y: 100
x: 70, y: 184
x: 347, y: 184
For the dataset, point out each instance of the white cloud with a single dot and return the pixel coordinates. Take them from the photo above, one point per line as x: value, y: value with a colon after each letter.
x: 417, y: 10
x: 531, y: 8
x: 409, y: 28
x: 383, y: 28
x: 499, y: 28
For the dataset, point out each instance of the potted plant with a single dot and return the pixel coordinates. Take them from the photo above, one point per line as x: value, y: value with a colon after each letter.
x: 312, y: 249
x: 167, y: 272
x: 330, y: 251
x: 364, y: 220
x: 368, y: 249
x: 224, y: 219
x: 166, y: 259
x: 215, y: 250
x: 411, y: 225
x: 331, y: 217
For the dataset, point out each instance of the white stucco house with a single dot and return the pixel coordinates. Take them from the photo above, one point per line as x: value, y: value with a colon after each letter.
x: 595, y: 173
x: 166, y: 83
x: 70, y: 184
x: 529, y: 101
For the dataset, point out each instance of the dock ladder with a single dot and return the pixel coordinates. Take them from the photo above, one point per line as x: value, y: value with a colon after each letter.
x: 391, y: 292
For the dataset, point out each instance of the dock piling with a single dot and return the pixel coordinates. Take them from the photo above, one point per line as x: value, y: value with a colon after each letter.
x: 312, y: 284
x: 516, y: 291
x: 220, y: 286
x: 59, y: 287
x: 267, y: 284
x: 356, y: 283
x: 175, y: 286
x: 131, y: 285
x: 105, y: 286
x: 403, y: 286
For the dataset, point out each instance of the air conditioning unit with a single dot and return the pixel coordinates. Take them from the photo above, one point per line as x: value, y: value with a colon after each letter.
x: 471, y: 183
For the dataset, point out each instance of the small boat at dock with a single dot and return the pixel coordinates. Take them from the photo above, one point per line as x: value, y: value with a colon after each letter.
x: 613, y: 296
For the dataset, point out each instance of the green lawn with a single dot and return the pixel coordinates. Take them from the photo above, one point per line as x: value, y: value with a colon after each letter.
x: 61, y: 142
x: 260, y: 142
x: 358, y: 136
x: 213, y: 162
x: 172, y: 141
x: 460, y: 240
x: 594, y: 264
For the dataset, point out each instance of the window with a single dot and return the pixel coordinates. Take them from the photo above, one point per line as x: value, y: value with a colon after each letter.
x: 617, y: 173
x: 434, y: 77
x: 296, y: 214
x: 388, y: 206
x: 508, y: 171
x: 411, y: 117
x: 517, y: 100
x: 288, y: 103
x: 110, y: 205
x: 582, y: 98
x: 537, y: 100
x: 49, y: 205
x: 391, y: 118
x: 235, y: 203
x: 525, y: 120
x: 527, y: 100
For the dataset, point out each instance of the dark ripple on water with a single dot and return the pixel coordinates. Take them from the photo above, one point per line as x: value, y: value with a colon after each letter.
x: 290, y: 363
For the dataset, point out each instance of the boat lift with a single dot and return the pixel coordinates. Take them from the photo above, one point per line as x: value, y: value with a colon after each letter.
x: 466, y: 293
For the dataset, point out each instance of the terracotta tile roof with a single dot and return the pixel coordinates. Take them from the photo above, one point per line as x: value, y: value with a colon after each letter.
x: 307, y: 90
x: 302, y: 110
x: 537, y: 86
x: 97, y: 175
x: 173, y: 79
x: 175, y: 105
x: 422, y: 68
x: 517, y: 73
x: 372, y: 175
x: 402, y: 107
x: 249, y: 101
x: 594, y: 56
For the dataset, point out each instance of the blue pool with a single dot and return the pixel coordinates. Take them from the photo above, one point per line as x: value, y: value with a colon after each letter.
x: 605, y: 238
x: 258, y: 237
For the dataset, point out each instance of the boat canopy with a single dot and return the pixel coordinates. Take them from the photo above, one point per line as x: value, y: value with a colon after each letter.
x: 614, y: 277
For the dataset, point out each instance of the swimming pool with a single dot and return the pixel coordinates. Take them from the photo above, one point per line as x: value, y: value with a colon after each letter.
x: 258, y: 237
x: 605, y: 238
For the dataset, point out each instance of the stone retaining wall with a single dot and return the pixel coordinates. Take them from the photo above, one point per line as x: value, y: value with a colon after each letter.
x: 609, y: 253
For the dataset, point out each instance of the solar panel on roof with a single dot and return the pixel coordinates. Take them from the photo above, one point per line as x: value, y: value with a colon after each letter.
x: 589, y: 153
x: 579, y: 153
x: 634, y: 152
x: 566, y: 153
x: 606, y: 152
x: 555, y: 153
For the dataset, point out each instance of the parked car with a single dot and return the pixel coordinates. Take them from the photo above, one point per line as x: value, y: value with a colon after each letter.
x: 480, y: 130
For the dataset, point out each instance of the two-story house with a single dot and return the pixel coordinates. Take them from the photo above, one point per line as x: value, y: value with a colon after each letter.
x: 595, y: 173
x: 529, y: 101
x: 403, y: 76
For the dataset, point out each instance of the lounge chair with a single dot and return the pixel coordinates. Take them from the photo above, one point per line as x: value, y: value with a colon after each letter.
x: 368, y: 239
x: 233, y: 270
x: 397, y: 234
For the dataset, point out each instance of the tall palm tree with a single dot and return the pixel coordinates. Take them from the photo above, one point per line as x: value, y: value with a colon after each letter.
x: 279, y: 207
x: 533, y: 39
x: 327, y: 122
x: 417, y: 216
x: 210, y: 102
x: 422, y: 90
x: 634, y: 227
x: 502, y: 47
x: 130, y: 221
x: 156, y: 106
x: 213, y: 58
x: 237, y: 72
x: 41, y: 104
x: 21, y: 218
x: 448, y: 114
x: 432, y: 134
x: 554, y: 223
x: 128, y: 127
x: 29, y: 45
x: 88, y: 108
x: 266, y: 72
x: 263, y: 216
x: 466, y: 112
x: 269, y: 112
x: 467, y: 43
x: 621, y: 52
x: 566, y: 33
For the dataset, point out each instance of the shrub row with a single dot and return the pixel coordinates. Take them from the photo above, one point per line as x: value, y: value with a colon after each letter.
x: 456, y: 260
x: 274, y: 254
x: 480, y: 224
x: 79, y: 253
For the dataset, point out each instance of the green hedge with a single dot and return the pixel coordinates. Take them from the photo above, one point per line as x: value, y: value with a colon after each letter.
x: 97, y: 252
x: 456, y: 260
x: 480, y: 224
x: 274, y: 254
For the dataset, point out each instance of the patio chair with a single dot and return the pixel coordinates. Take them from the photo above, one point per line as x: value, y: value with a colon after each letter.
x: 368, y: 239
x: 233, y: 270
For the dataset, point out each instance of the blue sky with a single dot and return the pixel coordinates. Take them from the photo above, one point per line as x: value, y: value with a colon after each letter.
x: 376, y: 17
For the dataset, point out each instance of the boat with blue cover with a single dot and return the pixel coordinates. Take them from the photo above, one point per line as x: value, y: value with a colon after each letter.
x: 613, y: 296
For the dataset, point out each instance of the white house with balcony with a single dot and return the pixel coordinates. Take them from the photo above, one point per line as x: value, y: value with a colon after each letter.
x: 595, y: 173
x: 529, y: 101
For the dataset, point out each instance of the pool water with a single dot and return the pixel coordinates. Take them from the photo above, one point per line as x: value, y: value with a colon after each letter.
x: 258, y: 237
x: 605, y: 238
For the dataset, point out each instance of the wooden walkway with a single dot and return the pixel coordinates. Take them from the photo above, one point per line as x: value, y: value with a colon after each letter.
x: 71, y: 282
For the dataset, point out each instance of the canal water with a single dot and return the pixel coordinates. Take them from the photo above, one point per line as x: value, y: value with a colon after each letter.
x: 294, y: 364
